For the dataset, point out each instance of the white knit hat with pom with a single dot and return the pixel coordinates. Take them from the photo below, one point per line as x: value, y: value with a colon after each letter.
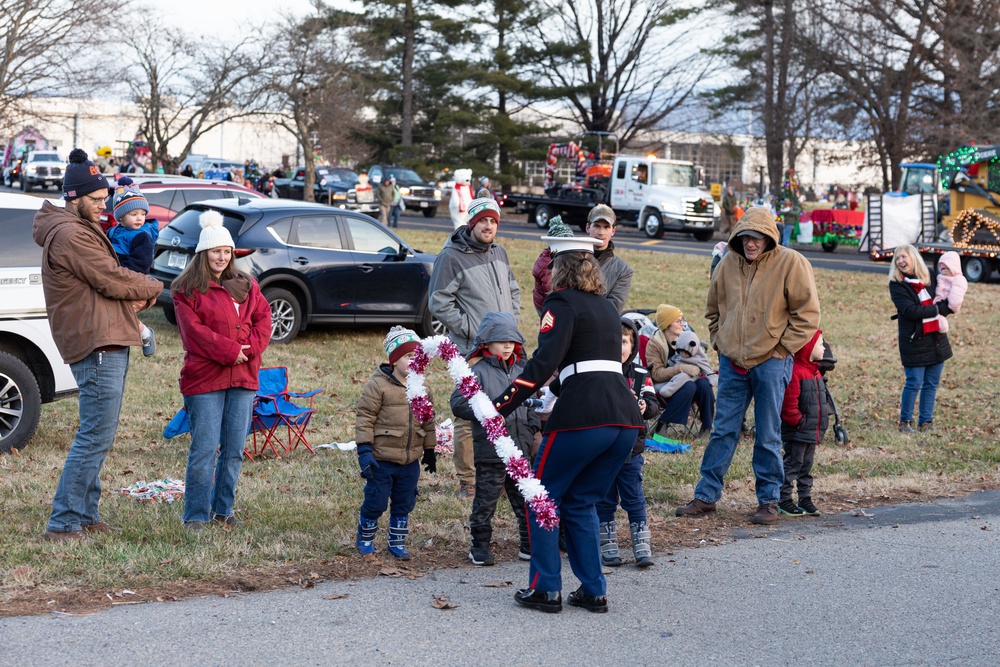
x: 213, y: 234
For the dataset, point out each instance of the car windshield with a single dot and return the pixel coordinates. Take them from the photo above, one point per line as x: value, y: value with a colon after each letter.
x: 681, y: 175
x: 403, y: 174
x: 46, y: 157
x: 345, y: 176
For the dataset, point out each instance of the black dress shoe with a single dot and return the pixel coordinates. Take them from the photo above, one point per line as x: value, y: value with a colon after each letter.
x: 547, y: 601
x: 595, y: 603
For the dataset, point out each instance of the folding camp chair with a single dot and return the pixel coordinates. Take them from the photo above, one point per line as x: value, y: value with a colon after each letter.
x: 274, y: 411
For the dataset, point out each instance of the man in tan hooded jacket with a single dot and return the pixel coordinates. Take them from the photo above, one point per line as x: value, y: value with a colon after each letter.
x: 762, y: 308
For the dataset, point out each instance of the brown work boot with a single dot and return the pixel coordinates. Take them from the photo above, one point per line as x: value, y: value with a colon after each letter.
x: 767, y: 514
x: 466, y: 491
x: 695, y: 508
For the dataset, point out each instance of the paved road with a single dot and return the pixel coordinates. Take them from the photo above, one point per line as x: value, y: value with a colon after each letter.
x: 904, y: 585
x: 845, y: 258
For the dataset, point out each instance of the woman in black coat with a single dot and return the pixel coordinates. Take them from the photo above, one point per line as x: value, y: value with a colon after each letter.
x: 923, y: 349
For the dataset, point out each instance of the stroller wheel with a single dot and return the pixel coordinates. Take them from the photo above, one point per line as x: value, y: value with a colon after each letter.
x: 840, y: 435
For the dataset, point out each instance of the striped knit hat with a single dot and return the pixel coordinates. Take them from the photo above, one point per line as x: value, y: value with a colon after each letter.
x: 482, y: 208
x: 400, y: 341
x: 128, y: 198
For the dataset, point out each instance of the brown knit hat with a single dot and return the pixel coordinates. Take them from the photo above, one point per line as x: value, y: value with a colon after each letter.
x: 667, y: 315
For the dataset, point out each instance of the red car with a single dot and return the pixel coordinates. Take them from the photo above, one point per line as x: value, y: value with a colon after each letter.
x: 167, y: 195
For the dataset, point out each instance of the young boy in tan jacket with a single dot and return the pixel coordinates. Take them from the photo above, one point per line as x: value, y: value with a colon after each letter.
x: 390, y: 445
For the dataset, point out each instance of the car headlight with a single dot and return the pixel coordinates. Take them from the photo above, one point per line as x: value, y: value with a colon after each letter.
x: 322, y: 183
x: 669, y: 207
x: 716, y: 211
x: 404, y: 191
x: 437, y: 194
x: 340, y: 196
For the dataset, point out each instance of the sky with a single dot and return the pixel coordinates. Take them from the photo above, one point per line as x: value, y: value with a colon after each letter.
x: 229, y: 20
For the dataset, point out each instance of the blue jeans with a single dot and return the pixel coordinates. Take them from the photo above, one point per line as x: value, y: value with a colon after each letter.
x: 101, y: 379
x: 628, y: 487
x: 921, y: 380
x: 393, y: 481
x: 765, y: 384
x: 394, y: 216
x: 678, y: 406
x: 220, y: 421
x: 576, y: 467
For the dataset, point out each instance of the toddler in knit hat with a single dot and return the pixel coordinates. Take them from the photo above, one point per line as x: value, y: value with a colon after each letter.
x: 133, y: 239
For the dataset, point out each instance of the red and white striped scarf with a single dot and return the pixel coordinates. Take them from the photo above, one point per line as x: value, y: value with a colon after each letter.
x: 931, y: 324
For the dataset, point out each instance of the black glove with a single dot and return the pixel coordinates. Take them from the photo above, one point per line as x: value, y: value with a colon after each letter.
x: 366, y: 461
x: 430, y: 460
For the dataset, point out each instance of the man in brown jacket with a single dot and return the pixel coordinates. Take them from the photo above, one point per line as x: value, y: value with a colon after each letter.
x: 762, y: 309
x: 91, y: 303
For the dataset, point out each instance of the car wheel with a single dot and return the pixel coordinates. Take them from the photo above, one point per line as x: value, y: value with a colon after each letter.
x: 704, y: 235
x: 430, y: 325
x: 20, y: 403
x: 976, y: 269
x: 430, y: 212
x: 830, y: 246
x: 542, y: 216
x: 653, y: 225
x: 286, y: 315
x: 25, y: 185
x: 170, y: 315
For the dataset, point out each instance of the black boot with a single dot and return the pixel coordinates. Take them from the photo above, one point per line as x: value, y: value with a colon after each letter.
x: 547, y: 601
x: 480, y: 553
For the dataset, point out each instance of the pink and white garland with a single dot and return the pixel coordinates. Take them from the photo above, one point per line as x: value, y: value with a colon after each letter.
x: 518, y: 467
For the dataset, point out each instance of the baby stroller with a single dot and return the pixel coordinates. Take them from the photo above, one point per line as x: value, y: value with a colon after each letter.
x: 827, y: 364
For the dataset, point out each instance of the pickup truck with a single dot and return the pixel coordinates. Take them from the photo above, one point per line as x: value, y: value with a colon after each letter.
x: 334, y: 186
x: 418, y: 194
x: 42, y: 169
x: 656, y: 195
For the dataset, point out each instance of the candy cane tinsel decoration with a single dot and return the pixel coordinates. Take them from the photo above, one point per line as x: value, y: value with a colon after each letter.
x: 517, y: 466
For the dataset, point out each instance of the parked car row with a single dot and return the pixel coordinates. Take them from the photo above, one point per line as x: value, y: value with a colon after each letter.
x: 314, y: 264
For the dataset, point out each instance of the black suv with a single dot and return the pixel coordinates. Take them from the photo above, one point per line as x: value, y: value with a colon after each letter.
x: 314, y: 264
x: 418, y: 194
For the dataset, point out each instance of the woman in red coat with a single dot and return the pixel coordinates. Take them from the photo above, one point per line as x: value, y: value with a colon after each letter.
x: 225, y: 326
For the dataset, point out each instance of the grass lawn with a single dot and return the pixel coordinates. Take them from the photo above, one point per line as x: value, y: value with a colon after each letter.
x: 300, y: 511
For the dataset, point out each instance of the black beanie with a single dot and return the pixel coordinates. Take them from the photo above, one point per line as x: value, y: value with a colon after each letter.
x: 82, y: 176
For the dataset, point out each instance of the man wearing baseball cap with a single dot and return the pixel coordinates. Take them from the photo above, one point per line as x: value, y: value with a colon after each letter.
x: 601, y: 225
x: 471, y: 277
x: 92, y: 303
x: 762, y: 308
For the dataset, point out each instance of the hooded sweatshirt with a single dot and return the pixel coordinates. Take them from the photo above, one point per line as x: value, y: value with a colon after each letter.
x: 88, y: 296
x: 641, y: 384
x: 469, y: 280
x: 805, y: 411
x: 494, y: 375
x: 765, y: 307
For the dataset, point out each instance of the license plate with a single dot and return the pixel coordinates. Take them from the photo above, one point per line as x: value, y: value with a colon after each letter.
x: 176, y: 260
x: 423, y: 204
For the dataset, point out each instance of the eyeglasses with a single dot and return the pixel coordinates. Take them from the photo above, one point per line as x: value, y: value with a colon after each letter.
x: 98, y: 201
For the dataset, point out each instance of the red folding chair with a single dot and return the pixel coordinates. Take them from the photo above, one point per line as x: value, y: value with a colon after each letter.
x: 274, y: 412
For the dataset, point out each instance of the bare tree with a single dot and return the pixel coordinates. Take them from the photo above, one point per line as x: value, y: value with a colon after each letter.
x: 621, y: 64
x: 312, y: 83
x: 185, y: 87
x: 48, y: 47
x: 878, y: 52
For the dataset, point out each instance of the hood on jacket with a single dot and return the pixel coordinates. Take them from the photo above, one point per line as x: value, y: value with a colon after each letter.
x: 497, y: 327
x: 461, y: 240
x: 758, y: 220
x: 634, y: 328
x: 689, y: 342
x: 51, y: 216
x: 802, y: 356
x: 952, y: 261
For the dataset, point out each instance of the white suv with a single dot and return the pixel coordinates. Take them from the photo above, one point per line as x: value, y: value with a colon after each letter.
x: 31, y: 370
x: 42, y: 169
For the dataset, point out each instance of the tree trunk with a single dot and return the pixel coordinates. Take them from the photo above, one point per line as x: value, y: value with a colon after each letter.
x: 409, y: 40
x: 308, y: 154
